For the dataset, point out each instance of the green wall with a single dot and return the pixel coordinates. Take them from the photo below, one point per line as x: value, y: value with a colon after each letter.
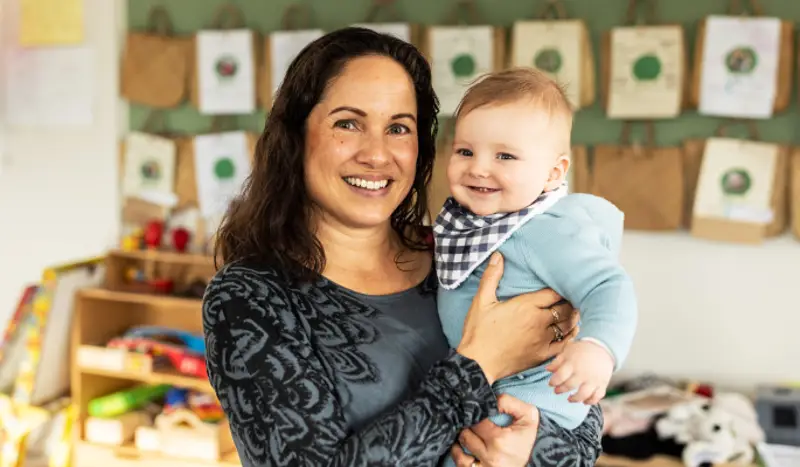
x: 591, y: 125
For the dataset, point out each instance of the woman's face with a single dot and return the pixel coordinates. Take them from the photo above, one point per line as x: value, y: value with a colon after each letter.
x: 361, y: 143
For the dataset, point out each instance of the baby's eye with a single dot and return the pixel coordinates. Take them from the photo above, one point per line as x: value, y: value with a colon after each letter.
x: 345, y: 124
x: 464, y: 152
x: 506, y: 156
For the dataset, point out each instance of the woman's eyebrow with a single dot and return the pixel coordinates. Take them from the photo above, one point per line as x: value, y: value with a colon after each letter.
x: 406, y: 115
x: 348, y: 109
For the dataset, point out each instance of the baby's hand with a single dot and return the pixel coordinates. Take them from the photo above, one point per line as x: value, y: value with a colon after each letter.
x: 585, y: 366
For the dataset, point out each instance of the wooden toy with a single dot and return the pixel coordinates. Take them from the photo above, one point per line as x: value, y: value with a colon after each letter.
x: 779, y: 414
x: 183, y: 434
x: 115, y: 431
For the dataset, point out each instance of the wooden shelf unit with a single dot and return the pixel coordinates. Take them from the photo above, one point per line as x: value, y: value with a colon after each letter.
x: 104, y: 313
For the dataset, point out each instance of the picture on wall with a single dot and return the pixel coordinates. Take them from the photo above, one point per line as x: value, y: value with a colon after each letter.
x: 399, y: 30
x: 222, y: 164
x: 283, y: 48
x: 554, y: 47
x: 740, y: 67
x: 226, y: 72
x: 458, y: 56
x: 149, y: 169
x: 736, y: 181
x: 647, y: 72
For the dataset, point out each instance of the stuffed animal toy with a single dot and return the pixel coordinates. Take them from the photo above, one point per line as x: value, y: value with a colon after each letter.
x: 722, y: 429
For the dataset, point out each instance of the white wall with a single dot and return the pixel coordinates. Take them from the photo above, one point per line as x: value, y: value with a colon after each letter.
x: 727, y: 313
x: 58, y: 190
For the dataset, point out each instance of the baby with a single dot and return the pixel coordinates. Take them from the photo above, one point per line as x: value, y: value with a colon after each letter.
x: 511, y: 153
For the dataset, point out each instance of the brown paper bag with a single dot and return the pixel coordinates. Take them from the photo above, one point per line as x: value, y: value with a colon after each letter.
x: 794, y: 194
x: 295, y: 17
x: 465, y: 14
x: 644, y: 181
x: 185, y: 176
x: 649, y: 18
x: 735, y: 231
x: 155, y: 64
x: 783, y: 89
x: 385, y: 11
x: 554, y: 13
x: 227, y: 17
x: 579, y: 166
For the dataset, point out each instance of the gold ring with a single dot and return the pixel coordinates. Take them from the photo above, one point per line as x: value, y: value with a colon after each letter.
x: 556, y: 317
x: 558, y: 335
x: 475, y: 463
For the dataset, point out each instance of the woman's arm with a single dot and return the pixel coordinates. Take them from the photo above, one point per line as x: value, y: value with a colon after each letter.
x: 282, y: 404
x: 557, y: 446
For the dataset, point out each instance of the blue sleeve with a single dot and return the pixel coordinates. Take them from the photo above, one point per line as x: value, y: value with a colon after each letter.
x: 578, y: 261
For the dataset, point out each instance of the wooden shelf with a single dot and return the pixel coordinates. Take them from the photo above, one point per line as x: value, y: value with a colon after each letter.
x: 97, y: 455
x: 170, y: 257
x: 165, y: 301
x: 157, y: 377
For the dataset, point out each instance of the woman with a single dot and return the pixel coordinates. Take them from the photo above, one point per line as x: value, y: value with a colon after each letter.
x: 323, y: 341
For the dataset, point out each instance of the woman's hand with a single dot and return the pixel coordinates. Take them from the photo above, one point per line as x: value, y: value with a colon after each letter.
x: 492, y: 445
x: 507, y: 337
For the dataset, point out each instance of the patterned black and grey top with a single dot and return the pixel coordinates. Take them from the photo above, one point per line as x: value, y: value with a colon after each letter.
x: 319, y: 375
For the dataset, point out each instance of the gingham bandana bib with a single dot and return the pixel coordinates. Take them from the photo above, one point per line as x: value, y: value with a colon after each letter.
x: 465, y: 240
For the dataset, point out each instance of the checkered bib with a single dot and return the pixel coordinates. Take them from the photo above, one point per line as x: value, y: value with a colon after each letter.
x: 464, y: 240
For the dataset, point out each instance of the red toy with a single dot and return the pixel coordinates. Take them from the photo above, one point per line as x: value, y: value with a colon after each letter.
x: 153, y: 233
x: 180, y: 239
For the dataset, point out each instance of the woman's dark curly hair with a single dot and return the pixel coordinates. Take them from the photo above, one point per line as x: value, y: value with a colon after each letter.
x: 270, y: 221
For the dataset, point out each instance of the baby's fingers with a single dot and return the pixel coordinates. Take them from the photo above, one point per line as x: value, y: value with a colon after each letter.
x: 563, y: 373
x: 584, y: 393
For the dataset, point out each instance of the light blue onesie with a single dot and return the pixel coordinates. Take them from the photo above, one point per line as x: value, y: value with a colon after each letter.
x: 572, y: 248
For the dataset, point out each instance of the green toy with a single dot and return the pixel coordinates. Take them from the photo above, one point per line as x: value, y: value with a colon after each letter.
x: 125, y: 401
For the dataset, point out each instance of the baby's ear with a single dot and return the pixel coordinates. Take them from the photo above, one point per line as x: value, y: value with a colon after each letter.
x: 558, y: 173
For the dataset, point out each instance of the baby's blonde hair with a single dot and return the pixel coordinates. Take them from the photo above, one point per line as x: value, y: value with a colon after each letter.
x: 512, y: 84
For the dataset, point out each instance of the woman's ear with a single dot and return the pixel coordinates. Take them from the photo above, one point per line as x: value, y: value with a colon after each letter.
x: 558, y: 173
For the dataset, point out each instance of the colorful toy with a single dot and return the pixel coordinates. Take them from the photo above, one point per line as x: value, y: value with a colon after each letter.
x: 125, y: 401
x: 168, y: 335
x: 153, y: 233
x: 178, y: 355
x: 180, y: 239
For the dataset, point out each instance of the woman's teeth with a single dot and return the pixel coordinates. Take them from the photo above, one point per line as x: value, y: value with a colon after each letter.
x: 367, y: 184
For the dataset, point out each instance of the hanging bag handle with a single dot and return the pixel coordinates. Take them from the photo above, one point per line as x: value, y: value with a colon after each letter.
x: 228, y: 16
x: 633, y: 16
x: 378, y: 6
x: 740, y: 7
x: 554, y: 9
x: 222, y: 123
x: 159, y: 21
x: 639, y: 148
x: 155, y: 123
x: 750, y: 126
x: 295, y: 17
x: 465, y: 12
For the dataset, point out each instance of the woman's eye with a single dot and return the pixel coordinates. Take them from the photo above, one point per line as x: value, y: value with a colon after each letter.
x: 398, y: 130
x: 464, y: 152
x: 345, y: 124
x: 506, y: 156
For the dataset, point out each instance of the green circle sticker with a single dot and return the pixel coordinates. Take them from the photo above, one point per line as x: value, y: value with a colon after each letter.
x: 224, y: 168
x: 463, y: 65
x: 647, y: 68
x: 736, y: 182
x: 741, y: 60
x: 548, y: 60
x: 227, y: 66
x: 151, y: 171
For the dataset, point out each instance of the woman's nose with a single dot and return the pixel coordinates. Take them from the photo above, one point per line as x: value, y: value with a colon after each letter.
x: 374, y: 153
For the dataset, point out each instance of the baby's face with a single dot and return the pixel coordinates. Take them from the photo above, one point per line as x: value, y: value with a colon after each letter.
x: 505, y: 156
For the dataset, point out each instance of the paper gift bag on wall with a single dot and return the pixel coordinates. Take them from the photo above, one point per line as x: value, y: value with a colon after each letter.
x: 579, y: 177
x: 643, y: 68
x: 741, y: 190
x: 224, y: 66
x: 281, y: 47
x: 561, y: 47
x: 439, y: 187
x: 743, y: 64
x: 462, y: 53
x: 794, y: 196
x: 644, y: 181
x: 155, y: 64
x: 393, y: 25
